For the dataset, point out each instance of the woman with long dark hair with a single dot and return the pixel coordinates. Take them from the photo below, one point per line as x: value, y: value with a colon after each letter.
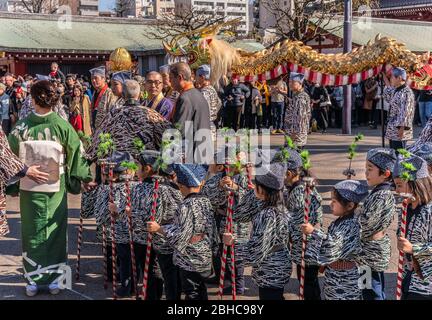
x: 45, y: 138
x: 79, y: 111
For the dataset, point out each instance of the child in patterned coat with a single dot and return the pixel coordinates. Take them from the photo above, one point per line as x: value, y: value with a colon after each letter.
x: 337, y: 249
x: 168, y: 200
x: 97, y: 202
x: 267, y: 250
x: 375, y: 217
x: 216, y: 190
x: 192, y: 234
x: 417, y: 245
x: 294, y: 195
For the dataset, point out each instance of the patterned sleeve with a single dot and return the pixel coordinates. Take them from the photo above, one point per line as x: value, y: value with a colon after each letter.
x: 216, y: 195
x: 424, y: 227
x: 341, y: 243
x: 260, y: 243
x: 180, y: 231
x: 10, y: 164
x: 406, y: 102
x: 88, y: 201
x: 247, y: 207
x: 388, y: 93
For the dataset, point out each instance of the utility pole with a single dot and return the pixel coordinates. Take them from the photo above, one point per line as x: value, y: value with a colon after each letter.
x: 346, y: 129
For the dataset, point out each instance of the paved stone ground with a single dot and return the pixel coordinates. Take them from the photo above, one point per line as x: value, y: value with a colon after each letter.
x: 328, y: 154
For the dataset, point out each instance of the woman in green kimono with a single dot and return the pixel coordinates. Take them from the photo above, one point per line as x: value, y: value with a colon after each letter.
x: 45, y: 138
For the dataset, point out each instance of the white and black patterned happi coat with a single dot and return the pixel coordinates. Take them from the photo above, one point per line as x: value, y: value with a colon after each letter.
x: 219, y: 200
x: 295, y: 203
x: 128, y: 123
x: 425, y: 136
x: 401, y: 113
x: 375, y: 215
x: 10, y: 165
x: 419, y: 233
x: 267, y: 250
x: 341, y: 242
x: 214, y: 102
x: 247, y: 208
x: 297, y: 118
x: 194, y: 216
x: 168, y: 200
x: 96, y: 202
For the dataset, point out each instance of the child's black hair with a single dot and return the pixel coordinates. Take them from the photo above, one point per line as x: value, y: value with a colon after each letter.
x: 274, y: 198
x: 344, y: 202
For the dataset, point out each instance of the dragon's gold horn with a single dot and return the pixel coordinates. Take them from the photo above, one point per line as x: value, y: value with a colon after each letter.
x: 171, y: 48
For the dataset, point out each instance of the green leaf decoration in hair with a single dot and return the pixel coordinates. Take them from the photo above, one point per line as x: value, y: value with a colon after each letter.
x: 359, y: 137
x: 283, y: 155
x: 406, y: 174
x: 130, y: 165
x: 106, y: 145
x: 404, y: 153
x: 290, y: 143
x: 139, y: 145
x: 306, y: 159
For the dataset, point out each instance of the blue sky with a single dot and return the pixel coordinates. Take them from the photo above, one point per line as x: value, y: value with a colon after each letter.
x: 105, y: 5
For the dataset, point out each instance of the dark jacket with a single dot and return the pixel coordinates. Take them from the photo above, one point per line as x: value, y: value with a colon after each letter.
x: 235, y: 95
x: 193, y: 107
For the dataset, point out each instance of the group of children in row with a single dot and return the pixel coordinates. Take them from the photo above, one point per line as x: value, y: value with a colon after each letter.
x: 268, y: 226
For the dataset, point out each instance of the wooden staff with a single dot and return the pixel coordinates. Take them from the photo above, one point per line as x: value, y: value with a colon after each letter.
x: 80, y: 233
x: 228, y: 228
x: 105, y: 257
x: 104, y: 242
x: 130, y: 229
x: 149, y: 239
x: 401, y: 253
x: 113, y: 241
x: 249, y: 176
x: 304, y: 242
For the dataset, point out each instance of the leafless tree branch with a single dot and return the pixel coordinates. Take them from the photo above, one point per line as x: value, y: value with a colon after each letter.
x: 187, y: 20
x: 304, y: 20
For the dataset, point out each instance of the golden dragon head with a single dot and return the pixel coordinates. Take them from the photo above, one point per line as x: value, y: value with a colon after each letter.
x: 193, y: 46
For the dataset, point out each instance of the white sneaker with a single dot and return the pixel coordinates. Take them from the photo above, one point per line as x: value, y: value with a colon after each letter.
x: 31, y: 290
x: 54, y: 288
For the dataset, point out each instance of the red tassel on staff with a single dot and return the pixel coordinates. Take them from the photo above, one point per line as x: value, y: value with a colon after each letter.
x: 80, y: 233
x: 113, y: 242
x: 401, y: 253
x: 131, y: 243
x: 304, y: 242
x: 149, y: 239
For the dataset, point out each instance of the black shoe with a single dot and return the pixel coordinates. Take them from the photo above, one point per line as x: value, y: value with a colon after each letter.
x: 125, y: 290
x: 228, y: 291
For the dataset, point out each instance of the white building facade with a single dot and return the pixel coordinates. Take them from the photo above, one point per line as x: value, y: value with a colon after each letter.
x: 230, y: 9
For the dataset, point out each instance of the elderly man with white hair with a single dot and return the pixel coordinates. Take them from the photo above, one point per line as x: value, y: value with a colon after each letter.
x: 130, y: 122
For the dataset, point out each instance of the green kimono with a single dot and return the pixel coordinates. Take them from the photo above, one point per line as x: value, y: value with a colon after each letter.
x: 44, y: 214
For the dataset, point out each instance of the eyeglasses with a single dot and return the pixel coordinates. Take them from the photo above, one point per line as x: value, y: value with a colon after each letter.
x: 154, y: 82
